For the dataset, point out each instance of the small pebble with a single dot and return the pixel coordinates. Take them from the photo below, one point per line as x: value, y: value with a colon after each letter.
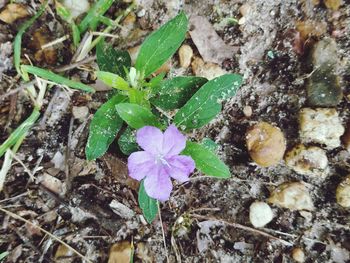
x: 320, y: 125
x: 311, y: 160
x: 343, y: 193
x: 298, y: 255
x: 80, y: 113
x: 247, y: 111
x: 206, y: 70
x: 323, y: 88
x: 333, y: 4
x: 266, y: 144
x: 185, y: 56
x: 260, y: 214
x: 293, y: 196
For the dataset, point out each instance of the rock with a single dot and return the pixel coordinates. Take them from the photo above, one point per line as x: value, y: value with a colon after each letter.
x: 260, y: 214
x: 77, y: 7
x: 206, y: 70
x: 320, y: 125
x: 52, y: 183
x: 324, y: 52
x: 293, y: 196
x: 346, y: 138
x: 333, y: 4
x: 247, y: 111
x: 308, y: 28
x: 121, y: 252
x: 311, y: 160
x: 80, y: 113
x: 185, y: 56
x: 266, y: 144
x: 298, y: 255
x: 323, y: 88
x: 343, y: 193
x: 121, y: 210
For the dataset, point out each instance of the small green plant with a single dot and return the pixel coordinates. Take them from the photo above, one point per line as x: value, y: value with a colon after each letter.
x: 145, y: 103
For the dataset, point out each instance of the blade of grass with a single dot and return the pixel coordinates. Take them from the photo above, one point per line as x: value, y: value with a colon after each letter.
x: 48, y: 75
x: 110, y: 28
x: 18, y: 39
x: 20, y: 131
x: 92, y: 17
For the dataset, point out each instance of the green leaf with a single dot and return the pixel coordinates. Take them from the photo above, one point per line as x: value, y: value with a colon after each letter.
x: 136, y: 116
x: 103, y: 128
x: 112, y: 80
x: 48, y: 75
x: 148, y: 205
x: 210, y: 144
x: 127, y: 142
x: 206, y: 161
x: 161, y: 45
x: 111, y: 59
x: 174, y: 93
x: 205, y: 104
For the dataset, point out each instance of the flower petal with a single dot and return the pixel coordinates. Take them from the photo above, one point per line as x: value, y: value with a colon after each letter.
x: 150, y: 139
x: 158, y: 184
x: 174, y: 142
x: 140, y: 164
x: 180, y: 167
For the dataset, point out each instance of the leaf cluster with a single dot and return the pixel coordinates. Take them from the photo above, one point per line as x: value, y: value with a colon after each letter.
x: 143, y: 98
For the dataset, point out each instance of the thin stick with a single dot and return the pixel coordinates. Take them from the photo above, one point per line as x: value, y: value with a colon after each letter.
x: 26, y: 169
x: 76, y: 64
x: 55, y: 42
x: 163, y: 233
x: 104, y: 34
x: 236, y: 225
x: 46, y: 232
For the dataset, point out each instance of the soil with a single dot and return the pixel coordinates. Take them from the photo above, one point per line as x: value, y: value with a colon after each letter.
x: 205, y: 220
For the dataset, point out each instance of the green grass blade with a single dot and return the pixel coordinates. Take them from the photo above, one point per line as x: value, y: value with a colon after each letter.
x: 20, y: 131
x: 18, y: 38
x: 48, y: 75
x: 92, y: 17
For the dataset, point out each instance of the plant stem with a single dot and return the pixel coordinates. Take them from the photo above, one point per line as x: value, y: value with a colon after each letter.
x: 163, y: 233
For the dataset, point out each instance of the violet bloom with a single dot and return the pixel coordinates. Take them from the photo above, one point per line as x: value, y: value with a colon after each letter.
x: 160, y: 160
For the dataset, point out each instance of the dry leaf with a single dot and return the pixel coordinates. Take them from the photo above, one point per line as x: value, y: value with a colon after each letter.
x: 47, y: 55
x: 120, y: 252
x: 119, y: 171
x: 12, y: 12
x: 209, y: 44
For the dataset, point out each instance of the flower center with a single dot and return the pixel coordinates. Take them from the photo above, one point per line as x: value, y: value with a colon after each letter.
x: 160, y: 159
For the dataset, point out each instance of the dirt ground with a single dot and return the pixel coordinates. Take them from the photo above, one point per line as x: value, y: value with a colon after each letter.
x: 205, y: 220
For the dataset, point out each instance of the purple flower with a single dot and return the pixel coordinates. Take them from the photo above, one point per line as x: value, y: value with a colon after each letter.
x: 160, y: 160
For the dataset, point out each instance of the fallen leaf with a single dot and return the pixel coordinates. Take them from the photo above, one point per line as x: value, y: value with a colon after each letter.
x: 120, y: 252
x: 47, y: 55
x: 12, y: 12
x: 209, y: 44
x: 63, y: 252
x: 119, y: 171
